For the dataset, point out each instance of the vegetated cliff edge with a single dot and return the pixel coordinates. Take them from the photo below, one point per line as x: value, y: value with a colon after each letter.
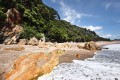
x: 36, y: 18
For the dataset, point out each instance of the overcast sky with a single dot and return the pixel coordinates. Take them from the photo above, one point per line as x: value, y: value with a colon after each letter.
x: 101, y: 16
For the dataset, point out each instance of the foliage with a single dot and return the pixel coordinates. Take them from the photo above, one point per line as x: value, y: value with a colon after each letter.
x: 30, y: 32
x: 2, y: 18
x: 37, y: 18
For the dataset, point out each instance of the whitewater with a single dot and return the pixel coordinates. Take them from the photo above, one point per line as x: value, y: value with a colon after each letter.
x: 105, y: 65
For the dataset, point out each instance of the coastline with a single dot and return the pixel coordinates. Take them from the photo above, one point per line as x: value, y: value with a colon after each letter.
x: 73, y: 53
x: 83, y: 67
x: 70, y: 55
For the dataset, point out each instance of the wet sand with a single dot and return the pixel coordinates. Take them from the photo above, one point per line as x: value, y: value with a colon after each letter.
x: 70, y: 55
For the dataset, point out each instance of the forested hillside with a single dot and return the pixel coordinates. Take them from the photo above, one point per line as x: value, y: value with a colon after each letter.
x: 37, y: 19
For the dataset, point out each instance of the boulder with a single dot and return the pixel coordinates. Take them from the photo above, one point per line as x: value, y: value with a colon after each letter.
x: 91, y: 46
x: 33, y: 41
x: 31, y: 66
x: 79, y: 46
x: 42, y: 44
x: 78, y: 56
x: 22, y: 42
x: 43, y: 38
x: 63, y: 45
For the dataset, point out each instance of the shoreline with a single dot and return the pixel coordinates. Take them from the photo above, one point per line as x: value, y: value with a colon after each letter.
x: 9, y: 56
x: 54, y: 73
x: 70, y: 55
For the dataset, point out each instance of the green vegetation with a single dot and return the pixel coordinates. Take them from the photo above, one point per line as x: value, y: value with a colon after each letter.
x: 37, y: 18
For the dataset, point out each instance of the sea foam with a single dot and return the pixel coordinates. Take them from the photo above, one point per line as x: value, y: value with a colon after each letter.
x: 105, y: 65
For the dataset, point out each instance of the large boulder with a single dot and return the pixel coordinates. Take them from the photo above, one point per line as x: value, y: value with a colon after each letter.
x: 22, y: 42
x: 91, y: 46
x: 79, y: 46
x: 33, y: 41
x: 31, y: 66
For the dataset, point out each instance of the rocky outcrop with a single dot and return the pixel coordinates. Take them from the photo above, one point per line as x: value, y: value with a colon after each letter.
x: 11, y: 30
x: 91, y: 46
x: 29, y: 67
x: 33, y: 41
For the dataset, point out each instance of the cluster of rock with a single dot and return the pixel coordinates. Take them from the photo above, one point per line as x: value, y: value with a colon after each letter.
x: 29, y: 67
x: 12, y: 29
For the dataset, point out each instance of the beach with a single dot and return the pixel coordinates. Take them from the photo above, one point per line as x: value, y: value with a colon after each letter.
x: 10, y: 53
x: 105, y: 65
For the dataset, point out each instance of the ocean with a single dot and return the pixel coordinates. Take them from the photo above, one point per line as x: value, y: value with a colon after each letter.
x: 105, y: 65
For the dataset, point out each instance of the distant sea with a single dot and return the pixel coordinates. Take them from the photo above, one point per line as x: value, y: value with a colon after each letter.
x: 105, y: 65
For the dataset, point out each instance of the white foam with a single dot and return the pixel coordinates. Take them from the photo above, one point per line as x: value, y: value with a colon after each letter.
x: 113, y: 47
x: 85, y: 70
x: 100, y: 67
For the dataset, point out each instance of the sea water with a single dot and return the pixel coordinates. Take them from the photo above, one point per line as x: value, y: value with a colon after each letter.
x: 105, y: 65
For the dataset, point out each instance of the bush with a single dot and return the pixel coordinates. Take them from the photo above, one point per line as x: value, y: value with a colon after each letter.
x: 2, y: 18
x: 30, y: 32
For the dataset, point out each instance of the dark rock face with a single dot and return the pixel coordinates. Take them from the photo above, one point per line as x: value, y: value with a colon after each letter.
x: 11, y: 30
x: 91, y: 46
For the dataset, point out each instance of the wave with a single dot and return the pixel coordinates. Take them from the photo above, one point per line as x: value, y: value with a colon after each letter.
x: 105, y: 65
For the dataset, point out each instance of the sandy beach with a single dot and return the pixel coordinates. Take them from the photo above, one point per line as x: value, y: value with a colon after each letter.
x: 10, y: 53
x: 105, y: 65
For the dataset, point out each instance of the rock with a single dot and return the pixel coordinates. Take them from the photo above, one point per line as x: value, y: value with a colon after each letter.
x: 33, y: 41
x: 77, y: 55
x: 12, y: 29
x: 116, y: 78
x: 22, y: 42
x: 15, y: 48
x: 43, y: 38
x: 11, y: 40
x: 31, y: 66
x: 42, y: 44
x: 79, y: 46
x: 64, y: 45
x: 91, y: 46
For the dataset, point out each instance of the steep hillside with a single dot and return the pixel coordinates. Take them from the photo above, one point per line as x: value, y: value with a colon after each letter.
x: 36, y: 18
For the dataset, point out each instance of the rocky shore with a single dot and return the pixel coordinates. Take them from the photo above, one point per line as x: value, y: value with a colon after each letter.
x: 18, y: 59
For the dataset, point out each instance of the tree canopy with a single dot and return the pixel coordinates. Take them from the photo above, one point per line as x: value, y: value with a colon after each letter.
x: 38, y: 18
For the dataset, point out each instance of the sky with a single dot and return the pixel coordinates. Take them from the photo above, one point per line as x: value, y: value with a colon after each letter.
x: 101, y: 16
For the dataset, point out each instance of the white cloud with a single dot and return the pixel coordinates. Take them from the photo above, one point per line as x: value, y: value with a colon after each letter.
x: 71, y: 15
x: 93, y: 28
x: 107, y: 5
x: 107, y: 36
